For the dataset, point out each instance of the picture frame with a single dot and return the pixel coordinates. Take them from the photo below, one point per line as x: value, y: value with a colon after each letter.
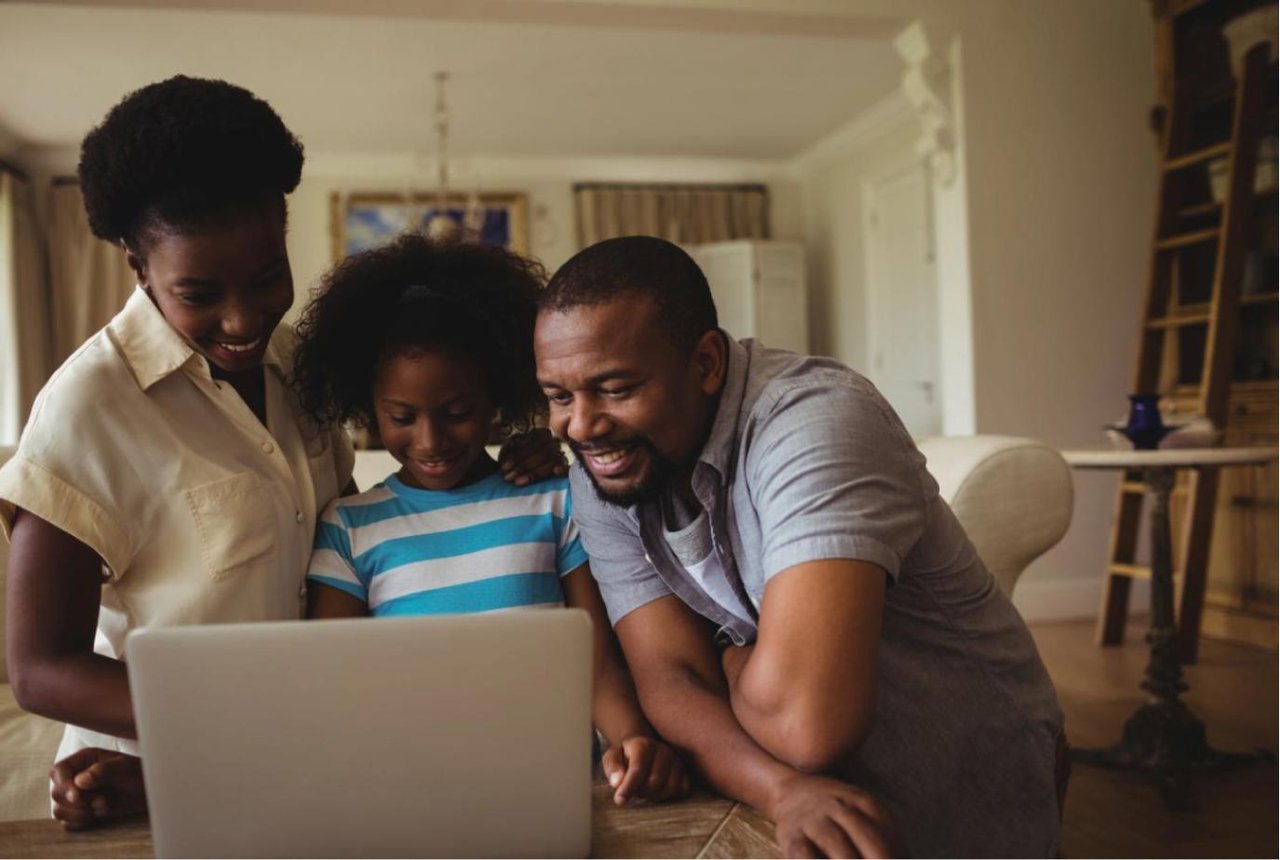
x: 363, y: 220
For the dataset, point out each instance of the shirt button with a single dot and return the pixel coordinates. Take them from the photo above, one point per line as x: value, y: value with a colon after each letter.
x: 267, y: 447
x: 647, y: 559
x: 297, y: 516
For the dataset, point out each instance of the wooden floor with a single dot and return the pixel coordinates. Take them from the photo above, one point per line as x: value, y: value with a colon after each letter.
x: 1119, y: 814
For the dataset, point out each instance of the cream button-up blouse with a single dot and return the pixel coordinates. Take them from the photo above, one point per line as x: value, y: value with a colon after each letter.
x: 200, y: 513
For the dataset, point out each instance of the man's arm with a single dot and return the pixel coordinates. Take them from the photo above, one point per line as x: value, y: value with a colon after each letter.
x: 806, y: 691
x: 685, y: 695
x: 842, y: 498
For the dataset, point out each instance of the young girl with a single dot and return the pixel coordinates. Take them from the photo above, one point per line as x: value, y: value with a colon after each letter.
x: 167, y: 474
x: 433, y: 344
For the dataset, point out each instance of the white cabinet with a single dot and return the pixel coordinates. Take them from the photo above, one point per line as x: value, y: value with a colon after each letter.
x: 759, y: 290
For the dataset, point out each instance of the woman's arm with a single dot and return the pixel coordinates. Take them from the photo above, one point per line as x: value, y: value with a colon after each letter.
x: 637, y: 762
x: 54, y: 593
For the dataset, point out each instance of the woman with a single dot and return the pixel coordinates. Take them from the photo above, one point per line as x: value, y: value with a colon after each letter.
x: 167, y: 475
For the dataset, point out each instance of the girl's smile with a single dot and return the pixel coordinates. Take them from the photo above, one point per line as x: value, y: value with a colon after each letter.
x: 434, y: 415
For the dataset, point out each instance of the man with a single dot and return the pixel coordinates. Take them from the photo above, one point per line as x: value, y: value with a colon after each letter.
x: 803, y: 615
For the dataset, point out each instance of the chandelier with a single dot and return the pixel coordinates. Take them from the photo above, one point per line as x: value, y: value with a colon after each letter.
x: 445, y: 223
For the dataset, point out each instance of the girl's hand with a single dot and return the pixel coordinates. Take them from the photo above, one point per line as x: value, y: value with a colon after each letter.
x: 644, y: 767
x: 530, y: 457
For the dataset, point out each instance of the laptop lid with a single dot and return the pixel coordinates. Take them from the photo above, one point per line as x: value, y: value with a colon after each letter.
x: 459, y: 736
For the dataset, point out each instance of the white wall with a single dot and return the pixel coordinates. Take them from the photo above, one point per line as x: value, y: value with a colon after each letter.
x: 1061, y: 170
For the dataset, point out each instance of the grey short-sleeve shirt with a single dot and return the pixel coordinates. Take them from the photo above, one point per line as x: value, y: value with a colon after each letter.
x: 807, y: 461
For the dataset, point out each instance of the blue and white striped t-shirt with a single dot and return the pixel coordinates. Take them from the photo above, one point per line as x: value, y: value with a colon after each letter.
x: 486, y: 546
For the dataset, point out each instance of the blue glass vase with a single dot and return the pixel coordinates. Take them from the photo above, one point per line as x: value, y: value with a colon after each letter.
x: 1144, y: 428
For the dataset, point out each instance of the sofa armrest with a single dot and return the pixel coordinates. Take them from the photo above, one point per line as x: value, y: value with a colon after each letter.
x: 1013, y: 496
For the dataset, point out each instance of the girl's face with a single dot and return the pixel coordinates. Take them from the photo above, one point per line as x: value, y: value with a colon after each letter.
x: 434, y: 414
x: 224, y: 287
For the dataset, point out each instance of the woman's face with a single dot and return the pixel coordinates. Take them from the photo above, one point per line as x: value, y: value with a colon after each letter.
x: 224, y: 287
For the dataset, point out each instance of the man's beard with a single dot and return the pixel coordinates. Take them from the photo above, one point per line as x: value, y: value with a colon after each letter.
x: 655, y: 479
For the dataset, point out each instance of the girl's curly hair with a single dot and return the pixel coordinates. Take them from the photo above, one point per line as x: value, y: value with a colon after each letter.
x: 476, y: 301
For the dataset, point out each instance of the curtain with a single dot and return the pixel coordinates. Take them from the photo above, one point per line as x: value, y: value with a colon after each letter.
x: 684, y: 214
x: 89, y: 279
x: 25, y: 342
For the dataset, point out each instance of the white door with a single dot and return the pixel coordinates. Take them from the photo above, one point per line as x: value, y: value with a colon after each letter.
x: 902, y: 296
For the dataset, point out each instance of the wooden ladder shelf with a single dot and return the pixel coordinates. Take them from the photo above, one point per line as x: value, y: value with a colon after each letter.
x: 1166, y: 318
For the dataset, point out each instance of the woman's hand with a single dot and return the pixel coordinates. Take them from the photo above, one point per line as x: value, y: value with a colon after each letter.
x: 530, y: 457
x: 646, y: 768
x: 93, y: 786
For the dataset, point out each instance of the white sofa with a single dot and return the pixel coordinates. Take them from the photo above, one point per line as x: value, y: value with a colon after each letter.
x: 1012, y: 495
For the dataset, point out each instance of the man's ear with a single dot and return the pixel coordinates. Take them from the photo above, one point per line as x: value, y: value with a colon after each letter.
x: 710, y: 361
x: 135, y: 261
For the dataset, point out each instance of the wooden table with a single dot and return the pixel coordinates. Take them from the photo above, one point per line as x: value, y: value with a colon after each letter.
x: 703, y: 825
x: 1162, y: 738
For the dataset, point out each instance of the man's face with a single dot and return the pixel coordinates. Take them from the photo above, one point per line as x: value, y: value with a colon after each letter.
x: 633, y: 407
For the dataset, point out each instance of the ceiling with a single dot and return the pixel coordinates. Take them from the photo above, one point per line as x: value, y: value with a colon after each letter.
x: 751, y: 79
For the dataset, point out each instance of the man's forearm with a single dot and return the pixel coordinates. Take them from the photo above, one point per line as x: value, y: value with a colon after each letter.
x: 694, y: 714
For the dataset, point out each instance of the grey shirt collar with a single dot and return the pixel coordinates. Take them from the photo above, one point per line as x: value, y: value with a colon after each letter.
x: 720, y: 449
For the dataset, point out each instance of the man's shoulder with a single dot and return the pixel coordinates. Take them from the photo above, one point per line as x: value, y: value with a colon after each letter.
x: 778, y: 380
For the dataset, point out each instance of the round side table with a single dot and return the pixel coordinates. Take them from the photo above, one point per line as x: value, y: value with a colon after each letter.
x: 1162, y: 737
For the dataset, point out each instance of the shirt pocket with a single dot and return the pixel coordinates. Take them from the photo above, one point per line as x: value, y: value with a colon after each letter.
x: 235, y: 524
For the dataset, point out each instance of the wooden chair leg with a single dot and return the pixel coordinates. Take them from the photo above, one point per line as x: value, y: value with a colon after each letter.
x: 1115, y: 610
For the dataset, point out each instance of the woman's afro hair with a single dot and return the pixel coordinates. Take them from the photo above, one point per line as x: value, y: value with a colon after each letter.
x: 181, y: 152
x: 477, y: 302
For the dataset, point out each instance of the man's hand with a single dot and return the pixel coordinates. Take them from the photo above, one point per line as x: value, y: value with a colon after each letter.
x: 644, y: 767
x: 820, y: 817
x: 530, y: 457
x: 92, y: 786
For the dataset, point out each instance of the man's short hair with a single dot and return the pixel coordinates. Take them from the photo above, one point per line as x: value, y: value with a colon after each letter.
x: 638, y: 265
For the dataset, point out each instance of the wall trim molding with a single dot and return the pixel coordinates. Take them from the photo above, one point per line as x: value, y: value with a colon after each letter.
x: 927, y: 86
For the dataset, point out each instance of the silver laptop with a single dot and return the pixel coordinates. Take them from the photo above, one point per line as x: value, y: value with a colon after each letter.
x: 460, y: 736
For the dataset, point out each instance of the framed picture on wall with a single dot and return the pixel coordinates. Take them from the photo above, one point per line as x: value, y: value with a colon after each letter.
x: 361, y: 221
